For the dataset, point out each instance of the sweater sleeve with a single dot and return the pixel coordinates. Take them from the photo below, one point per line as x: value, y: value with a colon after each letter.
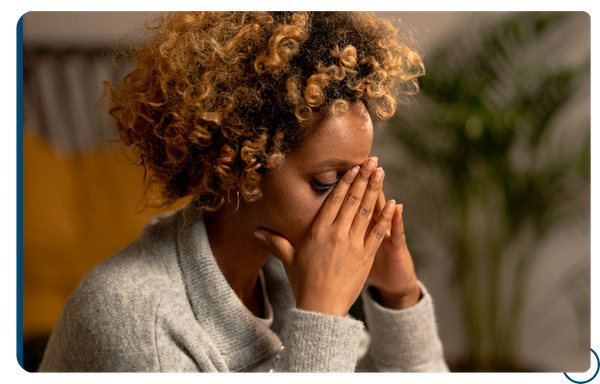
x: 321, y: 343
x: 402, y: 340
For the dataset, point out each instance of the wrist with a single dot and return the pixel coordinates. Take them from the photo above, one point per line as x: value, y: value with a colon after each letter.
x: 393, y: 300
x: 321, y: 307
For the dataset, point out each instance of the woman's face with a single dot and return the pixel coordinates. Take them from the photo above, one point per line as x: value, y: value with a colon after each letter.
x: 294, y: 193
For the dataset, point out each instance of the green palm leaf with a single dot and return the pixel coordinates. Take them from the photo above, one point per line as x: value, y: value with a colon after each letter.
x: 486, y: 129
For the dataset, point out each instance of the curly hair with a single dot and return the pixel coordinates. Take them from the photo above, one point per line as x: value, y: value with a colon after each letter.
x: 217, y: 98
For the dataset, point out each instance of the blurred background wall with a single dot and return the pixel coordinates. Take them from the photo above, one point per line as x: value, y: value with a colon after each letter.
x: 81, y: 197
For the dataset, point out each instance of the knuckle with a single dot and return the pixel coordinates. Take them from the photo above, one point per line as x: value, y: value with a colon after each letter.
x: 352, y: 199
x: 335, y: 238
x: 373, y: 187
x: 335, y: 197
x: 347, y: 179
x: 363, y: 177
x: 315, y: 233
x: 364, y: 211
x: 274, y: 242
x: 378, y: 233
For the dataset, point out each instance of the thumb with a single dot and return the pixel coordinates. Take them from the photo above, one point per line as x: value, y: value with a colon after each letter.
x: 279, y: 245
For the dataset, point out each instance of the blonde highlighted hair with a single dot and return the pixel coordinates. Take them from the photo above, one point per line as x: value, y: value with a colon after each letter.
x: 217, y: 98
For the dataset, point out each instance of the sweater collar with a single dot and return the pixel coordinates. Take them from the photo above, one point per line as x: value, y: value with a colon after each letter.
x: 239, y: 337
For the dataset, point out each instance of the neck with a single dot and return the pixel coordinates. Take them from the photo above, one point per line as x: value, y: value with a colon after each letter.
x: 239, y: 254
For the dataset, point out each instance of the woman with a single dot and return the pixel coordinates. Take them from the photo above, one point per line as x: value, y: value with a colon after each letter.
x: 264, y: 119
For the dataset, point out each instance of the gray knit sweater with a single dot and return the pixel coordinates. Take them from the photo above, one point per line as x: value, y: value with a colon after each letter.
x: 162, y: 304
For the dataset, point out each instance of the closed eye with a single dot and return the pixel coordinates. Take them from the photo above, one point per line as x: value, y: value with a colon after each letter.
x: 322, y: 187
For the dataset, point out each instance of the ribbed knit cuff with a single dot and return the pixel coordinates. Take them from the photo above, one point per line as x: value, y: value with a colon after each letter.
x: 404, y: 340
x: 321, y: 343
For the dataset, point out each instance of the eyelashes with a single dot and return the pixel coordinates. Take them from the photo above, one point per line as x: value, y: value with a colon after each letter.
x: 323, y: 188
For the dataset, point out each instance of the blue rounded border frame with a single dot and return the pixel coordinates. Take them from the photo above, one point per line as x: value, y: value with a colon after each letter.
x: 20, y: 191
x: 591, y: 376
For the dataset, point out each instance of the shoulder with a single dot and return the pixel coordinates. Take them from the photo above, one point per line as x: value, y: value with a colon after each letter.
x: 136, y: 276
x: 110, y: 317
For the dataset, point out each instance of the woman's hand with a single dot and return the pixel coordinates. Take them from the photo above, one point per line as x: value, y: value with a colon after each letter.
x: 393, y: 273
x: 329, y: 271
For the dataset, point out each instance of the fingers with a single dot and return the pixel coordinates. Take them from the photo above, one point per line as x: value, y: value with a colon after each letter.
x: 278, y: 245
x: 366, y: 207
x: 335, y: 199
x: 398, y: 237
x: 380, y: 204
x: 378, y: 232
x: 353, y: 201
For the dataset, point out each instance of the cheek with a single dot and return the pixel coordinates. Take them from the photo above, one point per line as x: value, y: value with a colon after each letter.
x: 299, y: 208
x: 303, y: 209
x: 307, y: 211
x: 289, y: 205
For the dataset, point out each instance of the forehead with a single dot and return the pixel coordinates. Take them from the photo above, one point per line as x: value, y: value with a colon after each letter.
x: 328, y: 137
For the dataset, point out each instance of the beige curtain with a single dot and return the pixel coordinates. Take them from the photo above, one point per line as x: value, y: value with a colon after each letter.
x: 80, y: 193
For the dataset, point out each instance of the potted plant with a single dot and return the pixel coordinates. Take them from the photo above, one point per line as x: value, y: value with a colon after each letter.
x: 492, y: 170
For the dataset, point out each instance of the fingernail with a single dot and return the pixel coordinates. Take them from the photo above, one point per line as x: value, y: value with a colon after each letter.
x: 260, y: 235
x: 354, y: 171
x: 378, y: 174
x: 371, y: 164
x: 401, y: 208
x: 390, y: 205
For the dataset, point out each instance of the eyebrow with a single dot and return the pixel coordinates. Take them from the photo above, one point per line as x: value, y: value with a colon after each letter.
x: 336, y: 163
